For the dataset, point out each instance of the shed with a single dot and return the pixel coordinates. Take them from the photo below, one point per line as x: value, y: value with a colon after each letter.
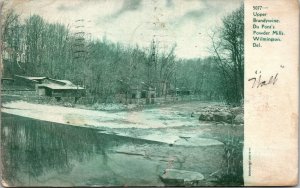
x: 62, y: 88
x: 28, y: 81
x: 135, y: 91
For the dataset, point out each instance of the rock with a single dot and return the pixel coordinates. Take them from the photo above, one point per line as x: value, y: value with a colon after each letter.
x: 202, y: 117
x: 174, y: 177
x: 206, y: 117
x: 222, y: 117
x: 182, y: 114
x: 237, y: 110
x: 239, y: 119
x: 67, y: 105
x: 209, y: 117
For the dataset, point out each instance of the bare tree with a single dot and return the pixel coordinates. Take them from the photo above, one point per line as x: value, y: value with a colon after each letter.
x: 228, y: 50
x: 11, y: 31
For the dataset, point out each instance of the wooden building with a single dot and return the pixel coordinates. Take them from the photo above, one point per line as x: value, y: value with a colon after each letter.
x: 45, y: 86
x: 27, y: 81
x: 60, y: 88
x: 136, y: 93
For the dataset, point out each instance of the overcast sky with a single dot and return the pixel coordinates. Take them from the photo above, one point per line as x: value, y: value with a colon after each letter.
x: 184, y: 22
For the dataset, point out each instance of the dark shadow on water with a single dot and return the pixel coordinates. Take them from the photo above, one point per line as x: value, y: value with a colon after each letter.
x: 34, y: 147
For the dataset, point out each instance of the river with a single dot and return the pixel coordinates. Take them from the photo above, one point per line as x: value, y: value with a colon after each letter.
x: 43, y: 153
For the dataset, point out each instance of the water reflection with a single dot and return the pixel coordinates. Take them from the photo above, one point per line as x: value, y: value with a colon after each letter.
x: 39, y: 153
x: 31, y: 148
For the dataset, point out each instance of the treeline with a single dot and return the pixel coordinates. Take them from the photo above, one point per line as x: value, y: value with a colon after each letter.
x: 228, y: 52
x: 34, y: 47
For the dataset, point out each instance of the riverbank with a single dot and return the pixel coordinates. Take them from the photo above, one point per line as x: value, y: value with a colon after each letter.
x: 89, y: 103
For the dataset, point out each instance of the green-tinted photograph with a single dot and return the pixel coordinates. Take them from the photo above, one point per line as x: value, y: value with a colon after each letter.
x: 122, y: 93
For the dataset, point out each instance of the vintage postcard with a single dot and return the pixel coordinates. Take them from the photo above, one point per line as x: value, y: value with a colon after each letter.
x: 149, y: 92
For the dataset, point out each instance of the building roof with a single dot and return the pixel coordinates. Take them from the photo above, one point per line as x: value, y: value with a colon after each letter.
x: 58, y: 86
x: 53, y: 83
x: 32, y: 77
x: 66, y: 82
x: 36, y: 78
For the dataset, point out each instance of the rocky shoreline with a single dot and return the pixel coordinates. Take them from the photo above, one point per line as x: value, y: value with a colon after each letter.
x: 232, y: 115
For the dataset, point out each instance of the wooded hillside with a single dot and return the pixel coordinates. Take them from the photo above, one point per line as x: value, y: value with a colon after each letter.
x: 34, y: 47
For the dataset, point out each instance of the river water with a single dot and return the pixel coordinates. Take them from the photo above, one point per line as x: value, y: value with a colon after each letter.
x: 41, y: 153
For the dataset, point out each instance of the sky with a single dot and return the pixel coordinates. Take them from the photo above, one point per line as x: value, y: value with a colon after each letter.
x: 186, y: 23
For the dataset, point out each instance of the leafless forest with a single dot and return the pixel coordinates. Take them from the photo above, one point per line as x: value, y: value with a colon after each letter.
x: 34, y: 47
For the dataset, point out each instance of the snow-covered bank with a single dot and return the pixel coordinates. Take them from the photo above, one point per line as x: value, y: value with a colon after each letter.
x: 154, y: 118
x: 159, y: 124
